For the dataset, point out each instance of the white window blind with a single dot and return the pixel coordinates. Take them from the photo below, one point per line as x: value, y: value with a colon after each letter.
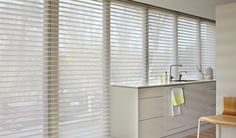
x: 161, y: 43
x: 208, y: 46
x: 126, y: 43
x: 55, y: 54
x: 22, y: 94
x: 188, y: 46
x: 83, y: 96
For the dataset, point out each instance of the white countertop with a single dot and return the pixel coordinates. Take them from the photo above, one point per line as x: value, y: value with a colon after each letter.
x: 136, y: 85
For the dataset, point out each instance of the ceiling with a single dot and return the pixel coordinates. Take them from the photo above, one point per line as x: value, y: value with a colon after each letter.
x: 202, y: 8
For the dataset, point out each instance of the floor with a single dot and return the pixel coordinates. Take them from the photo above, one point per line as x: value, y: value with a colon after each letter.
x: 208, y: 133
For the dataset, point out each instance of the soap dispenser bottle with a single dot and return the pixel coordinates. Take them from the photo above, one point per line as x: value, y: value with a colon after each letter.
x: 166, y: 77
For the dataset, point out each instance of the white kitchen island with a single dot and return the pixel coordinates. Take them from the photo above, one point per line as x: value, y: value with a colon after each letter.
x: 143, y: 111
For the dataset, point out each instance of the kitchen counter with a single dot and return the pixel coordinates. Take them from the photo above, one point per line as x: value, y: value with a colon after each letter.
x: 131, y: 85
x: 144, y: 111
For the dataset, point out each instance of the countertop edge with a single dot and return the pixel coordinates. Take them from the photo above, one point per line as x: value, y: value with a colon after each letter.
x: 162, y: 85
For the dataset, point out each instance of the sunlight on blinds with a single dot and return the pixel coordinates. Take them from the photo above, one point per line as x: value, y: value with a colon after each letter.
x: 83, y: 99
x: 126, y: 43
x: 188, y: 46
x: 208, y: 46
x: 161, y: 43
x: 22, y: 97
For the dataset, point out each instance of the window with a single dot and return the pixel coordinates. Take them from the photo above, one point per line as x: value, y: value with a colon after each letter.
x: 208, y: 46
x: 188, y: 45
x: 83, y: 96
x: 161, y: 43
x: 52, y: 73
x: 126, y: 43
x: 56, y: 57
x: 22, y: 64
x: 146, y: 41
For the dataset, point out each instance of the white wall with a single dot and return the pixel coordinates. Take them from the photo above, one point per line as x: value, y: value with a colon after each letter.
x: 226, y: 59
x: 202, y: 8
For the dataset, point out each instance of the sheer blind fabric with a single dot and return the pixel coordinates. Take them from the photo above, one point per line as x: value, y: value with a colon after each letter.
x: 52, y: 80
x: 146, y: 41
x: 188, y: 46
x: 161, y: 43
x: 23, y: 109
x: 127, y: 25
x: 208, y: 46
x: 83, y: 98
x: 56, y: 55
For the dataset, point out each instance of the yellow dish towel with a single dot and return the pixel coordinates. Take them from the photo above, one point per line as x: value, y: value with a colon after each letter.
x: 177, y: 96
x: 177, y: 99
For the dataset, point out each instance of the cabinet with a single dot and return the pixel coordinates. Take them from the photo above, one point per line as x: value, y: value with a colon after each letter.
x: 151, y: 112
x: 144, y: 112
x: 199, y: 101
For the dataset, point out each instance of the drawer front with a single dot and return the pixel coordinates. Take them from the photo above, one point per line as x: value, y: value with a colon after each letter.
x: 151, y: 107
x: 174, y: 125
x: 151, y: 92
x: 152, y: 128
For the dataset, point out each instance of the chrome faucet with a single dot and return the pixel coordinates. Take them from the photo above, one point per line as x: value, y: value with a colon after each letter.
x: 171, y: 77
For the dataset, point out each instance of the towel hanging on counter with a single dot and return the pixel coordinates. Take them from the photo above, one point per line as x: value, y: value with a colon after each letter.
x: 177, y: 99
x: 177, y: 96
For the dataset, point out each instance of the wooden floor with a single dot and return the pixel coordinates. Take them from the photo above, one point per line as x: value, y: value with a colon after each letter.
x: 208, y: 133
